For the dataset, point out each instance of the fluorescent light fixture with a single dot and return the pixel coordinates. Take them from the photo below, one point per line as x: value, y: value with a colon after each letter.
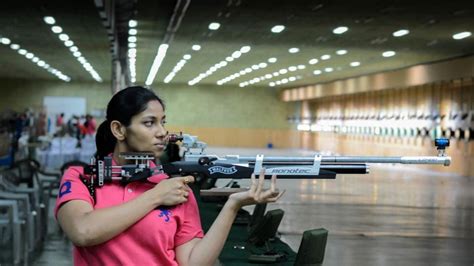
x: 341, y: 52
x: 187, y: 56
x: 293, y: 50
x: 49, y: 20
x: 214, y: 26
x: 132, y: 23
x: 263, y: 65
x: 462, y: 35
x: 283, y: 71
x: 400, y: 33
x: 22, y: 51
x: 292, y: 68
x: 132, y: 32
x: 160, y: 55
x: 272, y: 60
x: 132, y: 39
x: 313, y: 61
x: 317, y: 72
x: 236, y: 54
x: 29, y: 55
x: 354, y: 64
x: 15, y: 46
x: 56, y: 29
x: 388, y: 53
x: 325, y: 57
x: 272, y: 84
x: 340, y: 30
x: 69, y: 43
x: 132, y: 45
x: 73, y: 49
x: 277, y: 28
x: 301, y: 67
x: 329, y: 69
x: 5, y: 41
x: 196, y: 47
x: 77, y: 54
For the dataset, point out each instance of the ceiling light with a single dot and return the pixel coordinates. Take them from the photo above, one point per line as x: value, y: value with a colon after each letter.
x: 293, y: 50
x: 41, y: 63
x: 283, y: 71
x: 236, y: 54
x: 132, y: 45
x: 245, y: 49
x: 272, y: 60
x: 229, y: 58
x: 400, y: 33
x: 313, y: 61
x: 328, y: 69
x: 56, y: 29
x: 272, y: 84
x: 73, y: 49
x: 35, y: 59
x: 277, y: 28
x: 49, y: 20
x: 214, y: 26
x: 300, y: 67
x: 255, y: 67
x: 77, y: 54
x: 69, y: 43
x: 340, y: 30
x: 341, y: 52
x: 388, y: 53
x: 5, y: 41
x: 29, y: 55
x: 462, y: 35
x: 187, y: 56
x: 262, y: 65
x: 160, y: 55
x: 196, y: 47
x: 22, y: 51
x: 132, y: 39
x: 292, y: 68
x: 354, y: 64
x: 63, y: 37
x: 325, y: 57
x: 132, y: 23
x: 15, y: 46
x: 317, y: 72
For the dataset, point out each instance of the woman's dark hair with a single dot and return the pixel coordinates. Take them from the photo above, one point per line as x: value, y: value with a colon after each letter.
x: 122, y: 107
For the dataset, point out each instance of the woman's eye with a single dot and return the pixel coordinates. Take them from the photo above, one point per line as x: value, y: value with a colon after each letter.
x: 148, y: 123
x: 163, y: 122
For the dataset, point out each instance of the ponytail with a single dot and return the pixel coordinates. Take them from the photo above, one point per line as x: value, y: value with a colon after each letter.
x: 104, y: 140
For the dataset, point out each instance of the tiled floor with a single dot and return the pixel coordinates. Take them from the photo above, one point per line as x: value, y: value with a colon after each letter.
x: 396, y: 215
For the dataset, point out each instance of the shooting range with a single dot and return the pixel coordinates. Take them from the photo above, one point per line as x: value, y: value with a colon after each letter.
x: 364, y: 111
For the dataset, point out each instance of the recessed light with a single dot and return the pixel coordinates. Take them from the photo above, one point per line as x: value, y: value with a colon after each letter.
x: 245, y: 49
x: 196, y: 47
x: 292, y: 78
x: 15, y: 46
x: 400, y: 33
x: 132, y: 45
x: 293, y: 50
x: 132, y: 32
x: 236, y: 54
x: 73, y: 49
x: 277, y: 28
x: 462, y: 35
x: 77, y: 54
x: 22, y: 51
x: 214, y: 26
x: 283, y: 71
x: 49, y: 20
x: 56, y: 29
x: 35, y: 59
x: 354, y: 64
x: 132, y: 39
x: 132, y: 23
x: 340, y: 30
x: 328, y: 69
x: 69, y: 43
x: 5, y: 41
x: 313, y: 61
x: 317, y: 72
x: 272, y: 84
x: 262, y: 65
x: 300, y: 67
x: 255, y: 67
x: 187, y: 56
x: 292, y: 68
x: 272, y: 60
x: 29, y: 55
x: 341, y: 52
x: 388, y: 53
x: 325, y: 57
x: 63, y: 37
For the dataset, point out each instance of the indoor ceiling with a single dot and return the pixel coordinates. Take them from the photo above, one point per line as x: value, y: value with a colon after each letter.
x: 308, y: 25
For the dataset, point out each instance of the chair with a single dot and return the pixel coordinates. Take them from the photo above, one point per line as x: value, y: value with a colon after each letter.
x: 312, y: 248
x: 11, y: 231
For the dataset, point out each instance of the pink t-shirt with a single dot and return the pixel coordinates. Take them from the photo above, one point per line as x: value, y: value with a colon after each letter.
x: 150, y: 241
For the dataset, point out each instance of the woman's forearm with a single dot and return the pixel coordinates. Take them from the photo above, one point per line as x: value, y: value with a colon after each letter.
x: 100, y: 225
x: 206, y: 251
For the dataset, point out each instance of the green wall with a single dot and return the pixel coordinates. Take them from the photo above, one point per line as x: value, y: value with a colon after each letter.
x: 196, y: 106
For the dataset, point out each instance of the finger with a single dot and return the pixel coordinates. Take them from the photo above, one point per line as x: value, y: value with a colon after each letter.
x: 273, y: 183
x: 185, y: 179
x: 269, y: 193
x: 261, y: 181
x: 253, y: 186
x: 277, y: 197
x: 186, y: 194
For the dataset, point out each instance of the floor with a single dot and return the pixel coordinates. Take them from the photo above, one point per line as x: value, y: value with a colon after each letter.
x: 396, y: 215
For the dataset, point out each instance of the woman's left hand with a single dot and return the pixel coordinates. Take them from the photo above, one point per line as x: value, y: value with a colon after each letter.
x: 256, y: 193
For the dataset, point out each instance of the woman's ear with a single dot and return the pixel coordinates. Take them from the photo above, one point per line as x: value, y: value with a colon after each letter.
x: 118, y: 130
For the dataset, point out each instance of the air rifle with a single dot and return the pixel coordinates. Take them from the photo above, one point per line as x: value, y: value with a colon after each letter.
x: 197, y: 163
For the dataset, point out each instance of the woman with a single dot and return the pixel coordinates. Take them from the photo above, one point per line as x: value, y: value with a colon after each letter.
x: 143, y: 223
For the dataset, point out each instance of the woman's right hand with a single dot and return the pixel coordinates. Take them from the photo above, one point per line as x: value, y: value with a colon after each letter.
x: 172, y: 191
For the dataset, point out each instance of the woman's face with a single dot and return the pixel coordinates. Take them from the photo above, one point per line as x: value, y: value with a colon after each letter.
x: 146, y: 132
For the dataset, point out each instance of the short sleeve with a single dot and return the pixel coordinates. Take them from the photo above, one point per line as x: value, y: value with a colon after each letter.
x: 72, y: 188
x: 190, y: 224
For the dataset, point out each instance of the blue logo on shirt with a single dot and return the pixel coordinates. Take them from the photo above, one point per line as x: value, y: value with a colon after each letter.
x: 165, y: 213
x: 65, y: 188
